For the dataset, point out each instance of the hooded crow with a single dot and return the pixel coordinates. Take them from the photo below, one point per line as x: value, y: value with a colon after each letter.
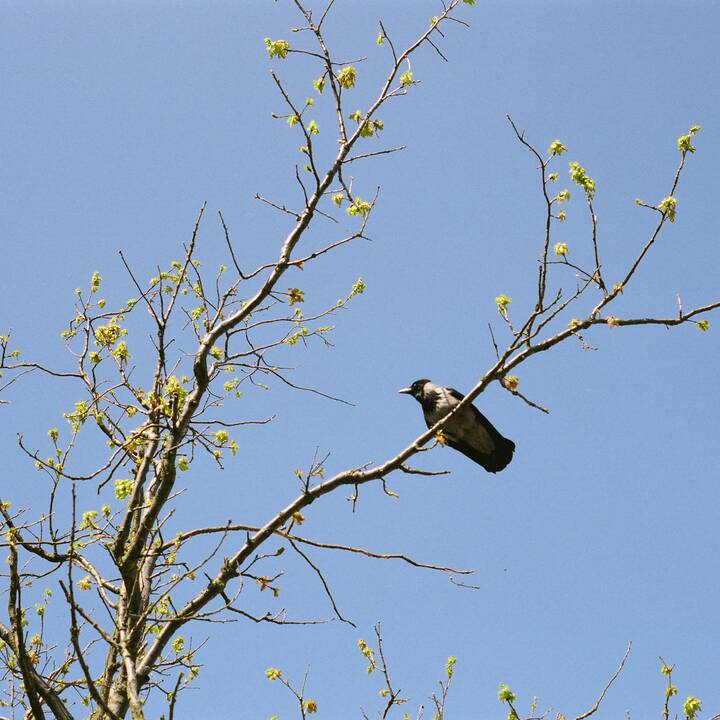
x: 469, y: 431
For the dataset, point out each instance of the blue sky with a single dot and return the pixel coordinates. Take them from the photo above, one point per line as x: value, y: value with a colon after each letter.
x: 120, y: 119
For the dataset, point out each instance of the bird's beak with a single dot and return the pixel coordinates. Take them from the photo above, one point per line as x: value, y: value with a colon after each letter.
x: 406, y: 391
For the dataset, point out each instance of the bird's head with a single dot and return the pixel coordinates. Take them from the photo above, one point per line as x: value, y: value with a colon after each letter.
x: 417, y: 389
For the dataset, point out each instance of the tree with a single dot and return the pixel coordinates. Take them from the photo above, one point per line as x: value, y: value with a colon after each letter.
x: 148, y: 578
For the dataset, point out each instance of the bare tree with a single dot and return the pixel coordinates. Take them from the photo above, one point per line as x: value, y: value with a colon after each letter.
x: 130, y: 579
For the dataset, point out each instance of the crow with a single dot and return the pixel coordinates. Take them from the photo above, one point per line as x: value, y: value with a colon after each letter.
x: 469, y: 431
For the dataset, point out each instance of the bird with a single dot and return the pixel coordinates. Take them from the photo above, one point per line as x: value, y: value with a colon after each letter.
x: 468, y: 431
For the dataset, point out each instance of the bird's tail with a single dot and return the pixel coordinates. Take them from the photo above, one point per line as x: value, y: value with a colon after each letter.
x: 493, y: 461
x: 500, y: 457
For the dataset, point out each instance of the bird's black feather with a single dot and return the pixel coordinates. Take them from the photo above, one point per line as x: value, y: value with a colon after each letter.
x: 493, y: 462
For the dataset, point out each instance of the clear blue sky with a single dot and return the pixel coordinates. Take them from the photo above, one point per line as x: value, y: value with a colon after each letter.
x: 120, y: 119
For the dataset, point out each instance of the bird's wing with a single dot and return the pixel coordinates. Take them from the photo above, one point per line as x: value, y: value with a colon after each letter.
x: 472, y: 434
x: 478, y: 416
x: 493, y: 462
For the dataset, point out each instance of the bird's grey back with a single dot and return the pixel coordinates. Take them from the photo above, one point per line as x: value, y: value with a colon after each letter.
x: 438, y: 402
